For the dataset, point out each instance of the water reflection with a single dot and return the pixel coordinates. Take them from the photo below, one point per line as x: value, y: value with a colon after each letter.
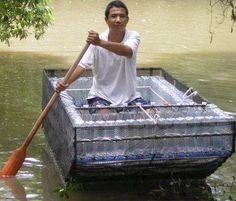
x: 20, y: 105
x: 223, y: 181
x: 14, y: 190
x: 118, y: 190
x: 138, y: 190
x: 24, y: 185
x: 51, y: 177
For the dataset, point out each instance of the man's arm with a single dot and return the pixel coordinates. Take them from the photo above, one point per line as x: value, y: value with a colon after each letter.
x: 117, y: 48
x: 60, y: 86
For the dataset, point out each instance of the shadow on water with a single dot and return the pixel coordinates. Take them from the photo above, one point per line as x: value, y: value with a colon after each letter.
x: 118, y: 190
x: 162, y: 190
x: 14, y: 190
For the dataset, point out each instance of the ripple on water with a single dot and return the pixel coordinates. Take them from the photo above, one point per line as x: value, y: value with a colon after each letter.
x: 32, y: 162
x: 25, y: 175
x: 32, y: 196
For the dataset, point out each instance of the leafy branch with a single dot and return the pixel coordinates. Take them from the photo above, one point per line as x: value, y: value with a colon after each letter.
x: 64, y: 191
x: 19, y: 18
x: 226, y: 6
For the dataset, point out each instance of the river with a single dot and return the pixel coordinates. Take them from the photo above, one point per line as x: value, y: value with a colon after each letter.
x: 174, y: 35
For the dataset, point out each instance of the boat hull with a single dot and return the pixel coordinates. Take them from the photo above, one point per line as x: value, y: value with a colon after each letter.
x: 93, y: 148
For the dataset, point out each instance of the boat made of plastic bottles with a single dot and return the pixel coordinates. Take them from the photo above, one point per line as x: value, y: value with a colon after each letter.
x: 177, y: 134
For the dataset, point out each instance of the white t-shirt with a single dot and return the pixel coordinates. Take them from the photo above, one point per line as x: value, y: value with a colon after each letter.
x: 114, y: 76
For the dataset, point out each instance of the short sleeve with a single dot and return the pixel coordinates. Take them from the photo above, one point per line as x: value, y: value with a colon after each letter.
x: 133, y: 41
x: 87, y: 59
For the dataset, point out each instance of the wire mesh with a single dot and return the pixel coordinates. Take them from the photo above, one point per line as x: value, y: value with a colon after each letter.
x: 172, y: 126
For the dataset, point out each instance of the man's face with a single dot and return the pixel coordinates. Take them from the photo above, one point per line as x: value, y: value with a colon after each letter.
x: 117, y: 19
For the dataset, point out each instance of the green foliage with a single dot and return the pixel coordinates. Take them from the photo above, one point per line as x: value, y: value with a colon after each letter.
x: 178, y: 189
x: 19, y: 18
x: 64, y: 191
x: 228, y: 7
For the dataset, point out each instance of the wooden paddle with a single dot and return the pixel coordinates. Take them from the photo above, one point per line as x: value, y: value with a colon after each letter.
x: 17, y: 158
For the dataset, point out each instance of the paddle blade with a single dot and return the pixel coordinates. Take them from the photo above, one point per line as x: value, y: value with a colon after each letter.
x: 14, y: 163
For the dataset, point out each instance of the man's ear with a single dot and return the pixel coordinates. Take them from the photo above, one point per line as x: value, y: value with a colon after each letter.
x: 105, y: 18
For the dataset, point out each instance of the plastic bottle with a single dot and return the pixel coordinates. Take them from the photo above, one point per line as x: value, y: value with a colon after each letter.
x: 217, y: 143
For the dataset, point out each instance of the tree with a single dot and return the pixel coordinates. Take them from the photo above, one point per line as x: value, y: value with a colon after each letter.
x: 19, y: 18
x: 227, y: 6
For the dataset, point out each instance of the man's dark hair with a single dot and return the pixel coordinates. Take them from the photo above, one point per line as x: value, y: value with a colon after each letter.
x: 118, y: 4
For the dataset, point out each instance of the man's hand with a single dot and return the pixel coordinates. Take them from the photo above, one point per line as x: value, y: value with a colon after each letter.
x: 93, y: 38
x: 115, y: 47
x: 60, y: 86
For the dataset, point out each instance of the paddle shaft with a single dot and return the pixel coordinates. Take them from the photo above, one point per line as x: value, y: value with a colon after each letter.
x: 52, y: 100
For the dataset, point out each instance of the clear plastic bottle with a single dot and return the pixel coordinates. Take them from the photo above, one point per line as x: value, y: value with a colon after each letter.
x: 108, y: 148
x: 217, y: 143
x: 131, y: 147
x: 120, y: 126
x: 171, y: 143
x: 228, y: 142
x: 98, y: 148
x: 165, y: 150
x: 109, y: 130
x: 88, y: 133
x: 80, y: 149
x: 89, y: 149
x: 180, y: 145
x: 140, y: 128
x: 132, y: 128
x: 139, y: 147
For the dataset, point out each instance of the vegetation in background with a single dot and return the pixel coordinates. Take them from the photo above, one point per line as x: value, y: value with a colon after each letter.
x: 64, y: 191
x: 183, y: 190
x: 228, y: 8
x: 19, y: 18
x: 162, y: 190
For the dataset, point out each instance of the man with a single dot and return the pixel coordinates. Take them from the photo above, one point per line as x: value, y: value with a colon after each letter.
x: 113, y: 57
